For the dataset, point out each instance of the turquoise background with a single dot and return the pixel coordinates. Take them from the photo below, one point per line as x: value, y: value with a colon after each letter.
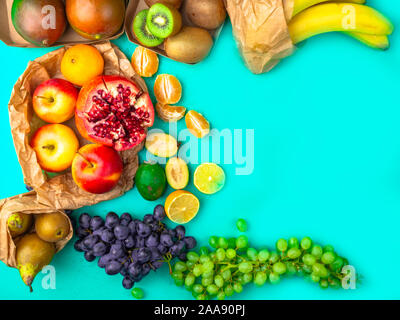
x: 327, y: 164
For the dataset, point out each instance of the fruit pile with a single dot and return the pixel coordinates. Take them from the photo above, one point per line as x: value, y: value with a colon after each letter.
x: 129, y: 246
x: 110, y: 111
x: 36, y: 250
x: 151, y: 179
x: 43, y: 22
x: 350, y: 17
x: 162, y: 23
x: 232, y: 264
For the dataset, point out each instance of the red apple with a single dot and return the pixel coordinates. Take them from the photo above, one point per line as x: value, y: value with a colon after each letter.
x: 97, y: 168
x: 54, y: 100
x: 55, y: 146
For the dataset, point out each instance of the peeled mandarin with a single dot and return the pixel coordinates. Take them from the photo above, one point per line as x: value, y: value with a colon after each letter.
x: 145, y: 62
x: 197, y: 124
x: 170, y: 113
x: 167, y: 89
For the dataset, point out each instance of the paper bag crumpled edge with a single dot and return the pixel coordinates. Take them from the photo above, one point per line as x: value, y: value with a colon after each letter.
x: 25, y: 203
x: 261, y: 31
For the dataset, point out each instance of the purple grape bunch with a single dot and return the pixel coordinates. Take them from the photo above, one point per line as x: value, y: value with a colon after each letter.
x: 131, y: 247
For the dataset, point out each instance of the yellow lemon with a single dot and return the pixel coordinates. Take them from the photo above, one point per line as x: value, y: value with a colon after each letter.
x: 181, y: 206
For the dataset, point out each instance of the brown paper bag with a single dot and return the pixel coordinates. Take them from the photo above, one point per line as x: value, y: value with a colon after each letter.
x: 25, y: 203
x: 135, y: 6
x: 261, y: 31
x: 61, y: 192
x: 10, y: 36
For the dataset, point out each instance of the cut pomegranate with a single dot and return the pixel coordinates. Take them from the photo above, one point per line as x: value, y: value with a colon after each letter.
x: 114, y: 111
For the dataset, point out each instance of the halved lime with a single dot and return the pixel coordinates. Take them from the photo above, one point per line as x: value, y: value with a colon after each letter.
x: 209, y: 178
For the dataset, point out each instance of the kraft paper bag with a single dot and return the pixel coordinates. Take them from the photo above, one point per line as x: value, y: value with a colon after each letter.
x: 24, y: 203
x: 261, y: 31
x: 61, y: 192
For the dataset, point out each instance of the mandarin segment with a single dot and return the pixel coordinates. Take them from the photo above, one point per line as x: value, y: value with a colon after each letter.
x: 145, y: 62
x: 197, y: 124
x: 167, y: 89
x: 170, y: 113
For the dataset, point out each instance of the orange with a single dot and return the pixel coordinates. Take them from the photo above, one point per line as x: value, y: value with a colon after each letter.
x: 82, y: 63
x: 197, y: 124
x: 145, y: 62
x: 170, y: 113
x: 181, y: 206
x: 167, y: 89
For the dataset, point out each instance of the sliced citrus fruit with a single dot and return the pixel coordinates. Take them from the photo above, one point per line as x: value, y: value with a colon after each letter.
x: 209, y: 178
x: 197, y: 124
x: 170, y: 113
x: 181, y: 206
x: 161, y: 145
x: 167, y: 89
x: 177, y: 173
x: 145, y: 62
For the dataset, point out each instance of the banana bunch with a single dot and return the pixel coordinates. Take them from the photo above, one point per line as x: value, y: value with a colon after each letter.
x: 352, y: 17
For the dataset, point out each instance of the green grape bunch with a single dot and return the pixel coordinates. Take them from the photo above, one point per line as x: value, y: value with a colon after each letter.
x: 232, y: 263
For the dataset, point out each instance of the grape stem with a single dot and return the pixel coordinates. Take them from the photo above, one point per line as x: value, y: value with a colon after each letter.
x: 167, y: 259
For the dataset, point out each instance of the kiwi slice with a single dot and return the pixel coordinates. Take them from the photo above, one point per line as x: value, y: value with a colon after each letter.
x: 164, y: 20
x: 142, y: 33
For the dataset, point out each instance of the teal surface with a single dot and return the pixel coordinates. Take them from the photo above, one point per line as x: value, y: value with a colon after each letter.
x: 327, y: 164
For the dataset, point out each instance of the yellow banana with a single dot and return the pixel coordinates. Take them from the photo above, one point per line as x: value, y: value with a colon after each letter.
x: 373, y: 41
x: 338, y: 17
x: 301, y: 5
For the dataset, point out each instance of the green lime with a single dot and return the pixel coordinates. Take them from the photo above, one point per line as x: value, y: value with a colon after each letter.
x: 151, y: 181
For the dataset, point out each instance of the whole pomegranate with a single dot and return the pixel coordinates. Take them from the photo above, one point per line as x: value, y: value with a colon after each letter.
x: 114, y: 111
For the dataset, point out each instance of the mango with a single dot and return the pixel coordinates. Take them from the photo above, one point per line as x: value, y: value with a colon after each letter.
x: 40, y: 22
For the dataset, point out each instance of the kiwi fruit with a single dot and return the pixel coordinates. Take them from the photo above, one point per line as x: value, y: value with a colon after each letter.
x: 52, y: 227
x: 175, y: 3
x: 142, y: 33
x: 191, y: 45
x: 164, y: 20
x: 208, y: 14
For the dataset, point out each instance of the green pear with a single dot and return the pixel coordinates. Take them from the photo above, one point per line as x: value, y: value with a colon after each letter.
x: 19, y: 223
x: 32, y: 255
